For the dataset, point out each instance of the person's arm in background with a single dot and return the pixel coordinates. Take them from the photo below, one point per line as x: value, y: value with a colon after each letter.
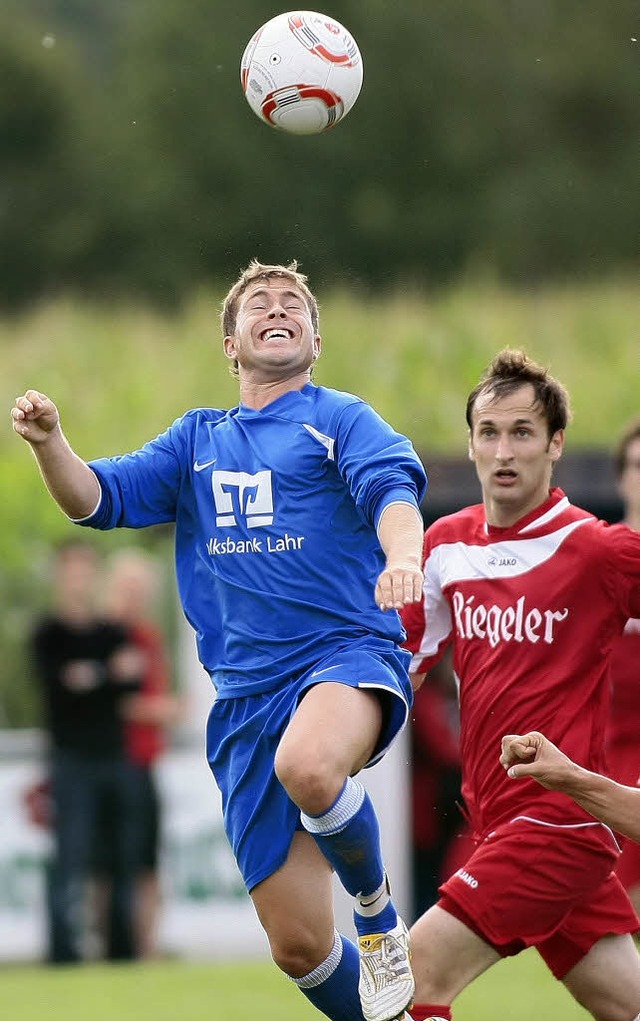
x: 533, y: 755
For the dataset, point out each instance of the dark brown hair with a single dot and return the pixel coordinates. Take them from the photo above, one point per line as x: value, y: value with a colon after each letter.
x: 631, y: 433
x: 510, y: 370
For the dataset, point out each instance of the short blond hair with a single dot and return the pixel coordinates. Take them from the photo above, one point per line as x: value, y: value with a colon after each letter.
x: 259, y: 271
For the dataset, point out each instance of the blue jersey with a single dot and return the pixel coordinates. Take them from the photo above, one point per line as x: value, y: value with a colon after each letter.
x: 277, y: 554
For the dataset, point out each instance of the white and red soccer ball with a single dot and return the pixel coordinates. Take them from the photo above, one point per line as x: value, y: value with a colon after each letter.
x: 301, y: 72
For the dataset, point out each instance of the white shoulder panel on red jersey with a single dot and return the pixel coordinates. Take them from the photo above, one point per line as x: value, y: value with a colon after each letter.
x: 459, y: 561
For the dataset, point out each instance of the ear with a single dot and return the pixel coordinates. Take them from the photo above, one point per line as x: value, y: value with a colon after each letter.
x: 471, y: 452
x: 317, y: 346
x: 556, y: 445
x: 229, y: 347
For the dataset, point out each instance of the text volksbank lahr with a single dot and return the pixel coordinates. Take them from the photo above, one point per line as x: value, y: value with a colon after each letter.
x: 271, y: 544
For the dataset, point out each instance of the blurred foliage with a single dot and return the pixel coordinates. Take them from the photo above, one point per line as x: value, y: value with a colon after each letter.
x: 121, y: 374
x: 492, y: 143
x: 500, y: 137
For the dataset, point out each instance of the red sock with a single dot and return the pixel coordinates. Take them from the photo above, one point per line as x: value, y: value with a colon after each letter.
x: 430, y: 1012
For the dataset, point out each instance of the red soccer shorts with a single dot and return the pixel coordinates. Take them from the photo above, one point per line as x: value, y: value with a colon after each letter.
x: 535, y: 884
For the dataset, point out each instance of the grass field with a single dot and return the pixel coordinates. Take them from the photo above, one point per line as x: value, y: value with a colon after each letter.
x: 178, y: 991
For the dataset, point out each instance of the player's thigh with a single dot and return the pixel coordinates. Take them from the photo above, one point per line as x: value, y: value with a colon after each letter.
x: 295, y: 906
x: 607, y: 979
x: 335, y: 724
x: 446, y: 956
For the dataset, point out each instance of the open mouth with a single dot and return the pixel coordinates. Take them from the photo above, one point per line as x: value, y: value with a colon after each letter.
x: 279, y: 333
x: 506, y: 473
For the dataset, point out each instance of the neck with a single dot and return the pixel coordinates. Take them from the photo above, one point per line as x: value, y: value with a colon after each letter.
x: 258, y: 395
x: 501, y: 515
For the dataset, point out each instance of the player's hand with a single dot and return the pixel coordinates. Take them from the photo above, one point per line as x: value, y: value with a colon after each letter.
x: 535, y: 756
x: 34, y: 416
x: 398, y: 585
x: 417, y: 680
x: 517, y: 748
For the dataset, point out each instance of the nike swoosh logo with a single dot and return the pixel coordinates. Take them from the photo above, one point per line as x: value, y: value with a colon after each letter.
x: 197, y: 467
x: 326, y: 670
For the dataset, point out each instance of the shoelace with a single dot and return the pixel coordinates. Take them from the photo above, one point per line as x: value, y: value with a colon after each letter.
x: 384, y: 961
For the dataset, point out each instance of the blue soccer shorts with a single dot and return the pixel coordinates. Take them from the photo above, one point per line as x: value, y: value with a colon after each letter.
x: 243, y: 735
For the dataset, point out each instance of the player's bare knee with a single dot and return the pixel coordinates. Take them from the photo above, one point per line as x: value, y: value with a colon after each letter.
x: 297, y: 953
x: 308, y: 780
x: 607, y: 1011
x: 612, y: 1006
x: 606, y: 1003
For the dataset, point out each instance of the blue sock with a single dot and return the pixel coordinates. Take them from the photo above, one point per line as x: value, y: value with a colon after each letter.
x: 332, y: 987
x: 348, y: 835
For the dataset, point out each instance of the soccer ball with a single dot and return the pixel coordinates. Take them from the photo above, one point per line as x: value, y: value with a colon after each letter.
x: 301, y: 72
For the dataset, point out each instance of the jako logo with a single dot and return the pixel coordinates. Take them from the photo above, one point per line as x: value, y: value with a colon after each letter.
x: 502, y: 561
x: 467, y: 878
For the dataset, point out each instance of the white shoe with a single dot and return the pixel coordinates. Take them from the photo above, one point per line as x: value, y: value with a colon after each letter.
x: 386, y: 984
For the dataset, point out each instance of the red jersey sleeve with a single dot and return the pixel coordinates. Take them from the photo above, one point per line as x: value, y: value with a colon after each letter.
x: 622, y: 565
x: 433, y: 609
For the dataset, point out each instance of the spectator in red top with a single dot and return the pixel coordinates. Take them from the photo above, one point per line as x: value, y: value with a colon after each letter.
x: 133, y: 587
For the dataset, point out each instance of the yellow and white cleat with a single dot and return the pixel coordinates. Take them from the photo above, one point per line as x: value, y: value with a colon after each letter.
x: 386, y: 985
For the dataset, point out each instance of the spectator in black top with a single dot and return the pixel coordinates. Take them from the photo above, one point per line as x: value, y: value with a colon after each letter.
x: 86, y: 669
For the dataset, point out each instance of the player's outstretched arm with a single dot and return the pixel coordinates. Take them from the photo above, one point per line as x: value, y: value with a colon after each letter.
x: 535, y: 756
x: 401, y: 533
x: 68, y: 478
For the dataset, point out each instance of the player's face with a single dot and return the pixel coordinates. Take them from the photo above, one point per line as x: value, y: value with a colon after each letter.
x: 513, y: 454
x: 274, y: 334
x: 629, y: 482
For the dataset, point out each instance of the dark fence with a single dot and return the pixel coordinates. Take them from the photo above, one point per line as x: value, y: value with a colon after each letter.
x: 586, y: 477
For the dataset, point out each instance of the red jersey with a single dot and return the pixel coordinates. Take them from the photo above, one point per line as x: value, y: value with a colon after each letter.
x: 532, y: 611
x: 146, y: 741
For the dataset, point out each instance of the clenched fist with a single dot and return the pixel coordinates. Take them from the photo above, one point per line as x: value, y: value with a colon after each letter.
x: 34, y: 416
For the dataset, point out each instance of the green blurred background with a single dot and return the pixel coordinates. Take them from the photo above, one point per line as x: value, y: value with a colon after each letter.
x: 482, y: 192
x: 494, y: 138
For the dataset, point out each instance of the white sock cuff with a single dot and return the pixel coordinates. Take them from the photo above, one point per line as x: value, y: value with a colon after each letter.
x: 373, y: 903
x: 341, y: 812
x: 324, y: 970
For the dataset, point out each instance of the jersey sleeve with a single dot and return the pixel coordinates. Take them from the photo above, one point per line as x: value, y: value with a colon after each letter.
x: 379, y: 465
x: 623, y: 567
x: 428, y: 623
x: 140, y: 488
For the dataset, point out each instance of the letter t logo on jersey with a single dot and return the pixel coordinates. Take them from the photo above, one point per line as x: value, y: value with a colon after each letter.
x: 238, y: 495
